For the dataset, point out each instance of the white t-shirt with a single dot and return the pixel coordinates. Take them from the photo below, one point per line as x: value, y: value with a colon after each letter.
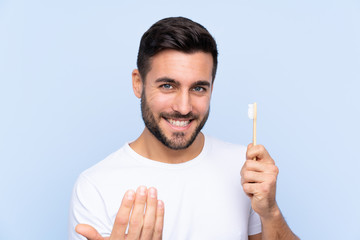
x: 203, y: 197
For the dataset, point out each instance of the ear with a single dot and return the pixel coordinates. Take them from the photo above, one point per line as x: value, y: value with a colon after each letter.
x: 137, y: 83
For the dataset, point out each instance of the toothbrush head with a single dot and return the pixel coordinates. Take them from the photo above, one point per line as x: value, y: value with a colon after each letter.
x: 252, y: 111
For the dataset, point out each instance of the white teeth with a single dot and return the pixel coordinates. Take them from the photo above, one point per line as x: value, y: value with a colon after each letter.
x: 178, y: 123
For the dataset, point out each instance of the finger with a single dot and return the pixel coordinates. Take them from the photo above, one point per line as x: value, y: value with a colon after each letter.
x: 150, y: 215
x: 259, y: 152
x: 252, y: 177
x: 250, y: 145
x: 253, y: 151
x: 251, y: 165
x: 122, y: 217
x: 251, y: 188
x: 159, y: 223
x: 259, y: 166
x: 261, y: 190
x: 88, y: 231
x: 137, y: 215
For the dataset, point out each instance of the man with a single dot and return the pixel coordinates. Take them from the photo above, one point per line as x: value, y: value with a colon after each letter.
x: 197, y: 177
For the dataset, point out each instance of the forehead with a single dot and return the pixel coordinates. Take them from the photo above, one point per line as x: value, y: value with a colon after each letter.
x: 180, y: 66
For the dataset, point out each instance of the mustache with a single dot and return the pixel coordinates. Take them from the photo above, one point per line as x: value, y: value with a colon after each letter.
x: 177, y: 115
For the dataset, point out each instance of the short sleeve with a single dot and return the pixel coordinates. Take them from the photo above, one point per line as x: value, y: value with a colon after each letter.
x: 254, y: 223
x: 88, y: 207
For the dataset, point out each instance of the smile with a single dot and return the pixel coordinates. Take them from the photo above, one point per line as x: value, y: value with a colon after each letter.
x: 178, y: 123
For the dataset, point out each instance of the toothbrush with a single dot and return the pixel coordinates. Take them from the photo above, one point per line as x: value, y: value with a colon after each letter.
x: 252, y: 113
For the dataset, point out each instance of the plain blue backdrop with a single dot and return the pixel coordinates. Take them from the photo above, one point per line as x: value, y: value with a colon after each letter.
x: 66, y: 100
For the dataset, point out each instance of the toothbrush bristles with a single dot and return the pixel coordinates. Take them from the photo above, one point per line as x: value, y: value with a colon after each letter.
x: 251, y: 111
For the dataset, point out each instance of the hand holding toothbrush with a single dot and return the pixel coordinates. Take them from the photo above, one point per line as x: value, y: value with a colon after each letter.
x: 258, y: 179
x: 259, y: 174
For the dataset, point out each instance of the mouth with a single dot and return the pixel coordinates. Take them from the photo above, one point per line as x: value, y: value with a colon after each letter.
x: 178, y: 123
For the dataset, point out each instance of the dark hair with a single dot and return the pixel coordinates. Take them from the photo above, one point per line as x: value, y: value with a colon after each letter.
x: 177, y: 33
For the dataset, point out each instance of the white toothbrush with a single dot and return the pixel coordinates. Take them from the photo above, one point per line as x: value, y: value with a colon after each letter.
x: 252, y: 113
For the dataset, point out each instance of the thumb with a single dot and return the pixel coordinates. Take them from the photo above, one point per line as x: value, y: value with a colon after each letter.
x: 250, y: 145
x: 89, y: 232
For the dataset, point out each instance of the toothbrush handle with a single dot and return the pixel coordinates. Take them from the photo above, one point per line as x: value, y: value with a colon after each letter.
x: 254, y: 125
x: 254, y: 131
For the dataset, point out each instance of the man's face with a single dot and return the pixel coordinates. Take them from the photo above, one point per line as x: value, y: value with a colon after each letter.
x: 176, y: 95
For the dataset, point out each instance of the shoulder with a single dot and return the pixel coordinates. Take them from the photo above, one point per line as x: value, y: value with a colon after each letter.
x: 119, y: 159
x: 223, y: 147
x: 225, y: 153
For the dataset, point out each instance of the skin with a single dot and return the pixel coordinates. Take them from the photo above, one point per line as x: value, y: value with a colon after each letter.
x: 258, y: 179
x: 180, y: 84
x: 177, y: 83
x: 144, y: 226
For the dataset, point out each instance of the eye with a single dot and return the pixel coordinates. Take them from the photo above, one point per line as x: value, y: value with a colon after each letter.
x: 199, y: 89
x: 166, y: 86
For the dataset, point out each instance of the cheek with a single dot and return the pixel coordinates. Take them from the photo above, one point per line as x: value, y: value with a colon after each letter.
x: 159, y: 102
x: 201, y: 105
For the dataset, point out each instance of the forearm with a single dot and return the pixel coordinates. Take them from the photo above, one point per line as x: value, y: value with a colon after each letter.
x: 274, y: 227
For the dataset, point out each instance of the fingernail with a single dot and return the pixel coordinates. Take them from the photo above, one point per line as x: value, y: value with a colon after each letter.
x: 152, y: 192
x: 130, y: 195
x: 160, y: 204
x: 142, y: 190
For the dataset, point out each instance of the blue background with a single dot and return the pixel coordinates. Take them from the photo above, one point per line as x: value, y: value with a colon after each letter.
x: 66, y: 101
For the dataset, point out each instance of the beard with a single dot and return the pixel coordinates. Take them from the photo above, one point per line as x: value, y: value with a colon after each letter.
x: 177, y: 140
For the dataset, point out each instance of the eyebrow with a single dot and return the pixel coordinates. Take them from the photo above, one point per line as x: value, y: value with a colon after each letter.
x: 202, y: 83
x: 166, y: 80
x: 170, y: 80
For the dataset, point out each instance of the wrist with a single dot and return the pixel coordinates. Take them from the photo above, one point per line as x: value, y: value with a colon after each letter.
x: 272, y: 215
x: 274, y: 226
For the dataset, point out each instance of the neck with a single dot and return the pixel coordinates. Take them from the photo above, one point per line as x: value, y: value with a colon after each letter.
x: 147, y: 145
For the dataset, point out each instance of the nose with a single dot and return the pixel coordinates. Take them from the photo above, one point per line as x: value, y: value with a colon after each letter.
x: 182, y: 103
